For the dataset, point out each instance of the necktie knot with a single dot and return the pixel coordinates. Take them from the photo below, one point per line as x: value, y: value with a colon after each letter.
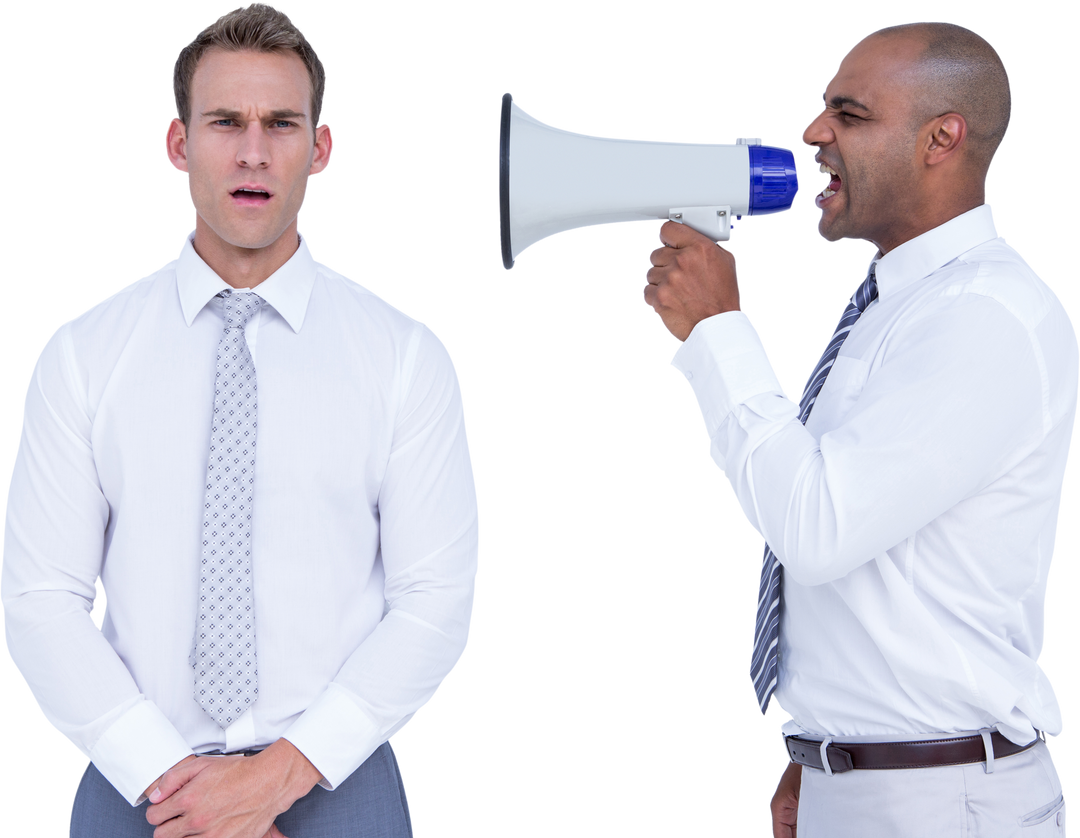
x: 239, y: 308
x: 867, y: 292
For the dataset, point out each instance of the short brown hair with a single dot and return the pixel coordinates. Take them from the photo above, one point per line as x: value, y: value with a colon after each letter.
x: 260, y: 28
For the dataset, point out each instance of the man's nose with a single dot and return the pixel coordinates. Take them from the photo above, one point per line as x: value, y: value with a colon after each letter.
x: 254, y: 147
x: 818, y: 132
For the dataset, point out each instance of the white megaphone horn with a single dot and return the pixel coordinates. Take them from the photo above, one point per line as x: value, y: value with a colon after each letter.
x: 562, y: 180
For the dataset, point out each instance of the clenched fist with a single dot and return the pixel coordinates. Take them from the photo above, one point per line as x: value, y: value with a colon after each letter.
x: 691, y: 278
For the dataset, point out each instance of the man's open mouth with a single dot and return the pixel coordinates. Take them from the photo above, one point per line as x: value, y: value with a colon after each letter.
x: 256, y: 194
x: 834, y: 181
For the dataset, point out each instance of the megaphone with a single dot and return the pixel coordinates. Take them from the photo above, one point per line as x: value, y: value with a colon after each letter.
x: 562, y: 180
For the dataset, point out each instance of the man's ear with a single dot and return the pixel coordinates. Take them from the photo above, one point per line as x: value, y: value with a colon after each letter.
x: 325, y: 145
x: 176, y: 144
x: 947, y: 134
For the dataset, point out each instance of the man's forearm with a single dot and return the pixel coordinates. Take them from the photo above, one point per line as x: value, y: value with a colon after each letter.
x: 297, y: 775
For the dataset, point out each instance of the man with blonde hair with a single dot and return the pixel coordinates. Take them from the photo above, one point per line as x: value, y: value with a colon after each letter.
x: 909, y: 501
x: 266, y: 466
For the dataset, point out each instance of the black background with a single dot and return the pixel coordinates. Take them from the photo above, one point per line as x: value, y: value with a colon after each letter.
x: 605, y: 683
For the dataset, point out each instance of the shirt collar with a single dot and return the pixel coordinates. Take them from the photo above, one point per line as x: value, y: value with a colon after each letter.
x: 922, y: 255
x: 288, y: 289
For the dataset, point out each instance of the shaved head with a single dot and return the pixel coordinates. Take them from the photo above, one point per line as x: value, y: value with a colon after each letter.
x: 956, y: 71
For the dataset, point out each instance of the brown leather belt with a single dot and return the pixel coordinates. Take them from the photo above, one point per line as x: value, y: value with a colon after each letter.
x: 926, y: 753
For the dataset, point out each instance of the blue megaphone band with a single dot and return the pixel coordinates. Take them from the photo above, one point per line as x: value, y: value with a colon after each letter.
x: 773, y: 183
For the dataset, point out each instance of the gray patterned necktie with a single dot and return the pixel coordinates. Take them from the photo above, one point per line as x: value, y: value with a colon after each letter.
x: 765, y: 661
x: 223, y: 656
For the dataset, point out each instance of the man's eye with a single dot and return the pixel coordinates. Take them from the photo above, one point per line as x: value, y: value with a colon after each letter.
x: 282, y: 123
x: 277, y: 122
x: 224, y: 122
x: 850, y: 117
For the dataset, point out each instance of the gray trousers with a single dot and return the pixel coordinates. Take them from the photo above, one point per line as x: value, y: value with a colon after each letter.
x: 1020, y: 799
x: 369, y: 804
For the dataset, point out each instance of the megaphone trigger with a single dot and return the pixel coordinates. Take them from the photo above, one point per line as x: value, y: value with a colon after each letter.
x: 714, y: 222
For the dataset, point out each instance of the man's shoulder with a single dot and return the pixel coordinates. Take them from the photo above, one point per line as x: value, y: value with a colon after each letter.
x: 995, y: 270
x: 353, y: 300
x: 89, y: 345
x: 996, y: 259
x: 125, y: 305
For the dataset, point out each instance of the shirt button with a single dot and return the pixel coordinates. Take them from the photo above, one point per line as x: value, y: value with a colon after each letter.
x: 689, y: 375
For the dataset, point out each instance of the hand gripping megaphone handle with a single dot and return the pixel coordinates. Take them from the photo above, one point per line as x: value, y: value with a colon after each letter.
x: 714, y: 222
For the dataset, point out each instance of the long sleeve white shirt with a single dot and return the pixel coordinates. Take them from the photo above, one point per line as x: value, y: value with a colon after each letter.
x: 914, y: 514
x: 364, y: 531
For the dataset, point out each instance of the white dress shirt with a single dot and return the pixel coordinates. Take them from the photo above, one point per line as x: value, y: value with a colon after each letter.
x: 364, y: 531
x: 914, y: 514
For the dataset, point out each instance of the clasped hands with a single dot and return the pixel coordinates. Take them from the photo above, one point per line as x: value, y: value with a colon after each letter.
x: 691, y: 279
x: 230, y: 796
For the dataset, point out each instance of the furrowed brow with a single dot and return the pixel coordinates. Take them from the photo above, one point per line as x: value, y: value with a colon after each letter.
x: 274, y: 115
x: 838, y: 102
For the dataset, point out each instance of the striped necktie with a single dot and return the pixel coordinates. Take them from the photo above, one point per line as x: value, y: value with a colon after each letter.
x: 763, y: 666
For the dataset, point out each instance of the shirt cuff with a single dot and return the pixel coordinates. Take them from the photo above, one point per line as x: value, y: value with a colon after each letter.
x: 138, y: 748
x: 321, y: 731
x: 725, y: 363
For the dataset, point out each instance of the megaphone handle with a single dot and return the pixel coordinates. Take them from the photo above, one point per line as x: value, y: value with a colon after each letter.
x: 714, y: 222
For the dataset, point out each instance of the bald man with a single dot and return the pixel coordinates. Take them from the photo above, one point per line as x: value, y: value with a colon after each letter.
x: 909, y: 501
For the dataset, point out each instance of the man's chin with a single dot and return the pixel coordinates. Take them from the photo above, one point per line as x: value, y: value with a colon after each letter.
x: 833, y: 224
x: 246, y: 238
x: 829, y: 232
x: 834, y: 232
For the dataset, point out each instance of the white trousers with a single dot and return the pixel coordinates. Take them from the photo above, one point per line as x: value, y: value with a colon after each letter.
x: 1021, y: 798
